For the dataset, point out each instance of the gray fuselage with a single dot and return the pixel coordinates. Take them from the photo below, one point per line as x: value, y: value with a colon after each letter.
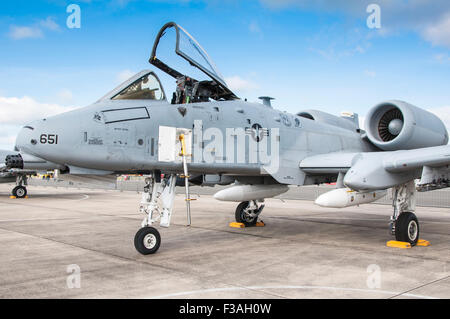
x: 81, y: 139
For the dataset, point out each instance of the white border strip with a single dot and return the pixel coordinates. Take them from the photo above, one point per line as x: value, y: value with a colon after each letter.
x: 372, y: 291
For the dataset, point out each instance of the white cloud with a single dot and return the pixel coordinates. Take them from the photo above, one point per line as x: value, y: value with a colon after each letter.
x: 18, y: 33
x: 332, y: 52
x: 430, y: 19
x: 124, y: 75
x: 370, y: 73
x: 334, y: 43
x: 34, y: 31
x: 236, y: 83
x: 18, y: 111
x: 49, y: 24
x: 7, y: 141
x: 360, y: 49
x: 15, y: 112
x: 65, y: 96
x: 254, y: 27
x: 439, y: 33
x: 442, y: 58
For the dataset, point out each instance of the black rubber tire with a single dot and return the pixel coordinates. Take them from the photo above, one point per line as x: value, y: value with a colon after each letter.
x: 403, y: 225
x: 19, y: 192
x: 239, y: 215
x: 140, y: 237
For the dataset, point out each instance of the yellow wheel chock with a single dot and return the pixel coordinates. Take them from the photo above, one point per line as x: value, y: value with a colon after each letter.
x: 242, y: 225
x: 14, y: 197
x: 423, y: 243
x: 405, y: 245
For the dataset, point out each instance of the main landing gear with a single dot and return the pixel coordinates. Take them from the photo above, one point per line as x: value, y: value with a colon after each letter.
x: 404, y: 223
x: 247, y: 212
x: 20, y: 191
x: 156, y: 204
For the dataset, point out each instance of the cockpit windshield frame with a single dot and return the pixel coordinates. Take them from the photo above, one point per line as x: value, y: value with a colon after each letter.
x: 218, y: 84
x: 136, y: 91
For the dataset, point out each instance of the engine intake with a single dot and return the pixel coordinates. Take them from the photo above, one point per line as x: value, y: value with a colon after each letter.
x: 397, y: 125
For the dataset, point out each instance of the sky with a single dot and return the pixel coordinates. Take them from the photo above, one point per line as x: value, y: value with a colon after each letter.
x: 319, y: 54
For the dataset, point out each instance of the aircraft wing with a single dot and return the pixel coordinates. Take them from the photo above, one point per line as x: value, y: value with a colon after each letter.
x: 400, y: 161
x: 382, y: 170
x: 328, y: 163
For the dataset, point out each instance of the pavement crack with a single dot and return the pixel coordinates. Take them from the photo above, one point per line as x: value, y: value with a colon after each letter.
x: 421, y: 286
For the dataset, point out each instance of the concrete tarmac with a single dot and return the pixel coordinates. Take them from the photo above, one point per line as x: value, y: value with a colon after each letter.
x: 304, y: 251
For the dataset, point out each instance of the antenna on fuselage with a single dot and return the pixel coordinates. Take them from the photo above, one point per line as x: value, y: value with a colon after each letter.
x: 267, y: 100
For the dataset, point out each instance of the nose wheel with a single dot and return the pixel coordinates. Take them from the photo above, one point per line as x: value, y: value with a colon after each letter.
x: 19, y: 192
x: 147, y: 240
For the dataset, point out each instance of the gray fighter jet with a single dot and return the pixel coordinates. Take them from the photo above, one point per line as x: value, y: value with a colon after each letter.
x: 205, y: 135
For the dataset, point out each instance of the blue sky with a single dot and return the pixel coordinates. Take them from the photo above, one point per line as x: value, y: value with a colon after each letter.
x: 306, y: 54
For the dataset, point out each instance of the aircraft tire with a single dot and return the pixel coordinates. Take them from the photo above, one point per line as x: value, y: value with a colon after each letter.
x: 407, y: 228
x: 147, y: 240
x: 240, y: 215
x: 19, y: 192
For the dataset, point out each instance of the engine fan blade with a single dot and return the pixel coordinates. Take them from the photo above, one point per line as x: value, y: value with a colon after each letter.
x: 383, y: 124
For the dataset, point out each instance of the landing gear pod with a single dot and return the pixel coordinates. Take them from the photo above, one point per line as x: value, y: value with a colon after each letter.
x: 240, y: 193
x: 344, y: 197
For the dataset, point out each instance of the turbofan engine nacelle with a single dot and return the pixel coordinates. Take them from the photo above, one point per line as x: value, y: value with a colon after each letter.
x: 397, y: 125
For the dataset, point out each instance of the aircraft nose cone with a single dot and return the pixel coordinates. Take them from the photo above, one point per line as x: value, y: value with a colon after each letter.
x: 26, y: 138
x: 20, y: 140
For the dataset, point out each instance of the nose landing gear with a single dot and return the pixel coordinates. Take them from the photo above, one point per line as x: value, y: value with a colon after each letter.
x: 156, y: 204
x: 20, y: 191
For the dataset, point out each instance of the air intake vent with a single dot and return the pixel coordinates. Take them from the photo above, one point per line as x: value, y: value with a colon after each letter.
x: 383, y: 126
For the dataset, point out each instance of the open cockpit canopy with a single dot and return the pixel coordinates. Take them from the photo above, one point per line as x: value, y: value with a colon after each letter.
x: 190, y: 50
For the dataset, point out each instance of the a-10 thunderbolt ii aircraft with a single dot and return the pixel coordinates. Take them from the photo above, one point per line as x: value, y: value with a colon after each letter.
x: 206, y: 135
